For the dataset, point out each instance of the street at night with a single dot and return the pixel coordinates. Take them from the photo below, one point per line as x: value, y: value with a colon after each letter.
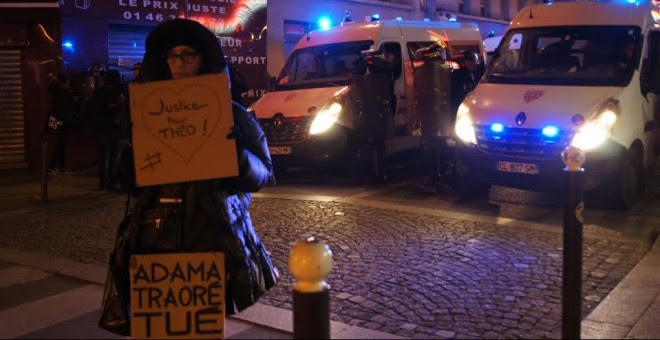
x: 408, y: 261
x: 330, y: 169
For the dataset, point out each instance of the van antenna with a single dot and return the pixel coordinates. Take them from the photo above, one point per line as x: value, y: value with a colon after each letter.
x: 531, y: 4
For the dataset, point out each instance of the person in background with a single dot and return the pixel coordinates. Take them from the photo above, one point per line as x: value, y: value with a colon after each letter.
x: 64, y: 109
x: 137, y: 72
x: 104, y: 110
x: 463, y: 80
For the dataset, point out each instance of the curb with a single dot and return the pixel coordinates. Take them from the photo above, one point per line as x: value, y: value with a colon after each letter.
x: 632, y: 308
x: 258, y: 314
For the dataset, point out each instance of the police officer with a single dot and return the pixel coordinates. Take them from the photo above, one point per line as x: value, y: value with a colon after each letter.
x: 463, y: 79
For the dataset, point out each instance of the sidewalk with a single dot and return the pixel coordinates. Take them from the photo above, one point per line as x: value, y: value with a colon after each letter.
x: 260, y: 321
x: 632, y: 309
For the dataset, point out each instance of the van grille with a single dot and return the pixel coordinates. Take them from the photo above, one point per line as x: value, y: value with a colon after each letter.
x: 286, y: 129
x: 522, y: 143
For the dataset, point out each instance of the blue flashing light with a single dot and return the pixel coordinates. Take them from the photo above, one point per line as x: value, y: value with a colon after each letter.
x: 550, y: 131
x: 67, y: 44
x: 497, y: 127
x: 452, y: 19
x: 632, y: 1
x: 325, y: 23
x: 399, y: 18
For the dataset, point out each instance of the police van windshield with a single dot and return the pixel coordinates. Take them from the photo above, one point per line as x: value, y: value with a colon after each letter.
x: 322, y: 66
x: 567, y: 55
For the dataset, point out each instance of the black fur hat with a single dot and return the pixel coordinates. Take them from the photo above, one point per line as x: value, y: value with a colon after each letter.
x: 177, y: 32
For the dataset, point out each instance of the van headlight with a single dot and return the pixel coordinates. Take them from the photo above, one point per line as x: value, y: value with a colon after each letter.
x: 464, y: 126
x: 325, y: 119
x: 596, y: 131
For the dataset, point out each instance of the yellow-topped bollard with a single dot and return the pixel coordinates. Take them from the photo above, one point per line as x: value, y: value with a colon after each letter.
x: 310, y: 261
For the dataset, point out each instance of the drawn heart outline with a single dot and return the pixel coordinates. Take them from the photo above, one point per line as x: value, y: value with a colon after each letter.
x: 154, y: 124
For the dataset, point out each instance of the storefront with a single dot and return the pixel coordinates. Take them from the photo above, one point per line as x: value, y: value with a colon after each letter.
x: 29, y: 50
x: 112, y: 33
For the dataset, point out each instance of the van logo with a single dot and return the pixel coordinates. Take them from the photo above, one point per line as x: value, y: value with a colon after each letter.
x: 278, y: 120
x: 532, y: 95
x: 521, y: 118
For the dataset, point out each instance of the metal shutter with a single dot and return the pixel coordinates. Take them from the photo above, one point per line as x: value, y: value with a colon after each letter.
x: 12, y: 124
x: 126, y: 47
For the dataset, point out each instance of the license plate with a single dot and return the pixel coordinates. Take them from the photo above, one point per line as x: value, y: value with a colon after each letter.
x: 521, y: 168
x: 279, y: 150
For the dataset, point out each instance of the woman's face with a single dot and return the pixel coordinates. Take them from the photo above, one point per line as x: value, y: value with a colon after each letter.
x: 183, y: 61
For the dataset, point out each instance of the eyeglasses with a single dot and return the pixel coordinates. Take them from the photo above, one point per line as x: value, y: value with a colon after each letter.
x: 186, y: 57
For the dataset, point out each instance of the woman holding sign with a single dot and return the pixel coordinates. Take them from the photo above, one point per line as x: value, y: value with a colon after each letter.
x: 206, y: 215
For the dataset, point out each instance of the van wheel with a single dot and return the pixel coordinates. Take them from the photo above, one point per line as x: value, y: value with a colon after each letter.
x: 628, y: 182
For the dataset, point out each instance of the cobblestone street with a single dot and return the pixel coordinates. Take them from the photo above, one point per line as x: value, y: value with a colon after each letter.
x: 409, y: 274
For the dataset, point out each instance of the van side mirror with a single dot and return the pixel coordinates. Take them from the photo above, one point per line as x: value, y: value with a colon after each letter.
x: 367, y: 54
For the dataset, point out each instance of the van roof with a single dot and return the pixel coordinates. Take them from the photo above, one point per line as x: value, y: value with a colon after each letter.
x: 394, y: 29
x: 590, y: 13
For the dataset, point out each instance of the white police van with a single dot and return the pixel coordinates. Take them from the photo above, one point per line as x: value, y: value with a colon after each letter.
x: 322, y: 111
x: 585, y: 74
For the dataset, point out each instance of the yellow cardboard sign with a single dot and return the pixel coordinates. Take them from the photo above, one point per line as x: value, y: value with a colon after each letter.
x: 180, y: 130
x: 178, y: 296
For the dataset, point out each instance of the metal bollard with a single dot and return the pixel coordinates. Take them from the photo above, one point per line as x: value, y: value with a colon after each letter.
x: 310, y: 261
x: 573, y: 158
x: 44, y: 170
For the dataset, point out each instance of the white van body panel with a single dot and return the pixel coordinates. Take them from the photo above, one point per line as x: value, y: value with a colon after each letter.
x: 555, y: 105
x: 399, y: 30
x: 630, y: 123
x: 294, y: 103
x: 583, y: 13
x: 500, y: 103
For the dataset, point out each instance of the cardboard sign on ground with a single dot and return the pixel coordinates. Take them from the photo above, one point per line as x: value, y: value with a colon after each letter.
x: 180, y: 130
x: 178, y: 296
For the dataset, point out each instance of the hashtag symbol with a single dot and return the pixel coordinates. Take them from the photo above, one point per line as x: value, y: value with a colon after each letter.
x: 151, y: 160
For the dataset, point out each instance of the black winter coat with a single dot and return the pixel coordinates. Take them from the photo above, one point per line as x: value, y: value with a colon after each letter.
x: 216, y: 217
x: 63, y: 104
